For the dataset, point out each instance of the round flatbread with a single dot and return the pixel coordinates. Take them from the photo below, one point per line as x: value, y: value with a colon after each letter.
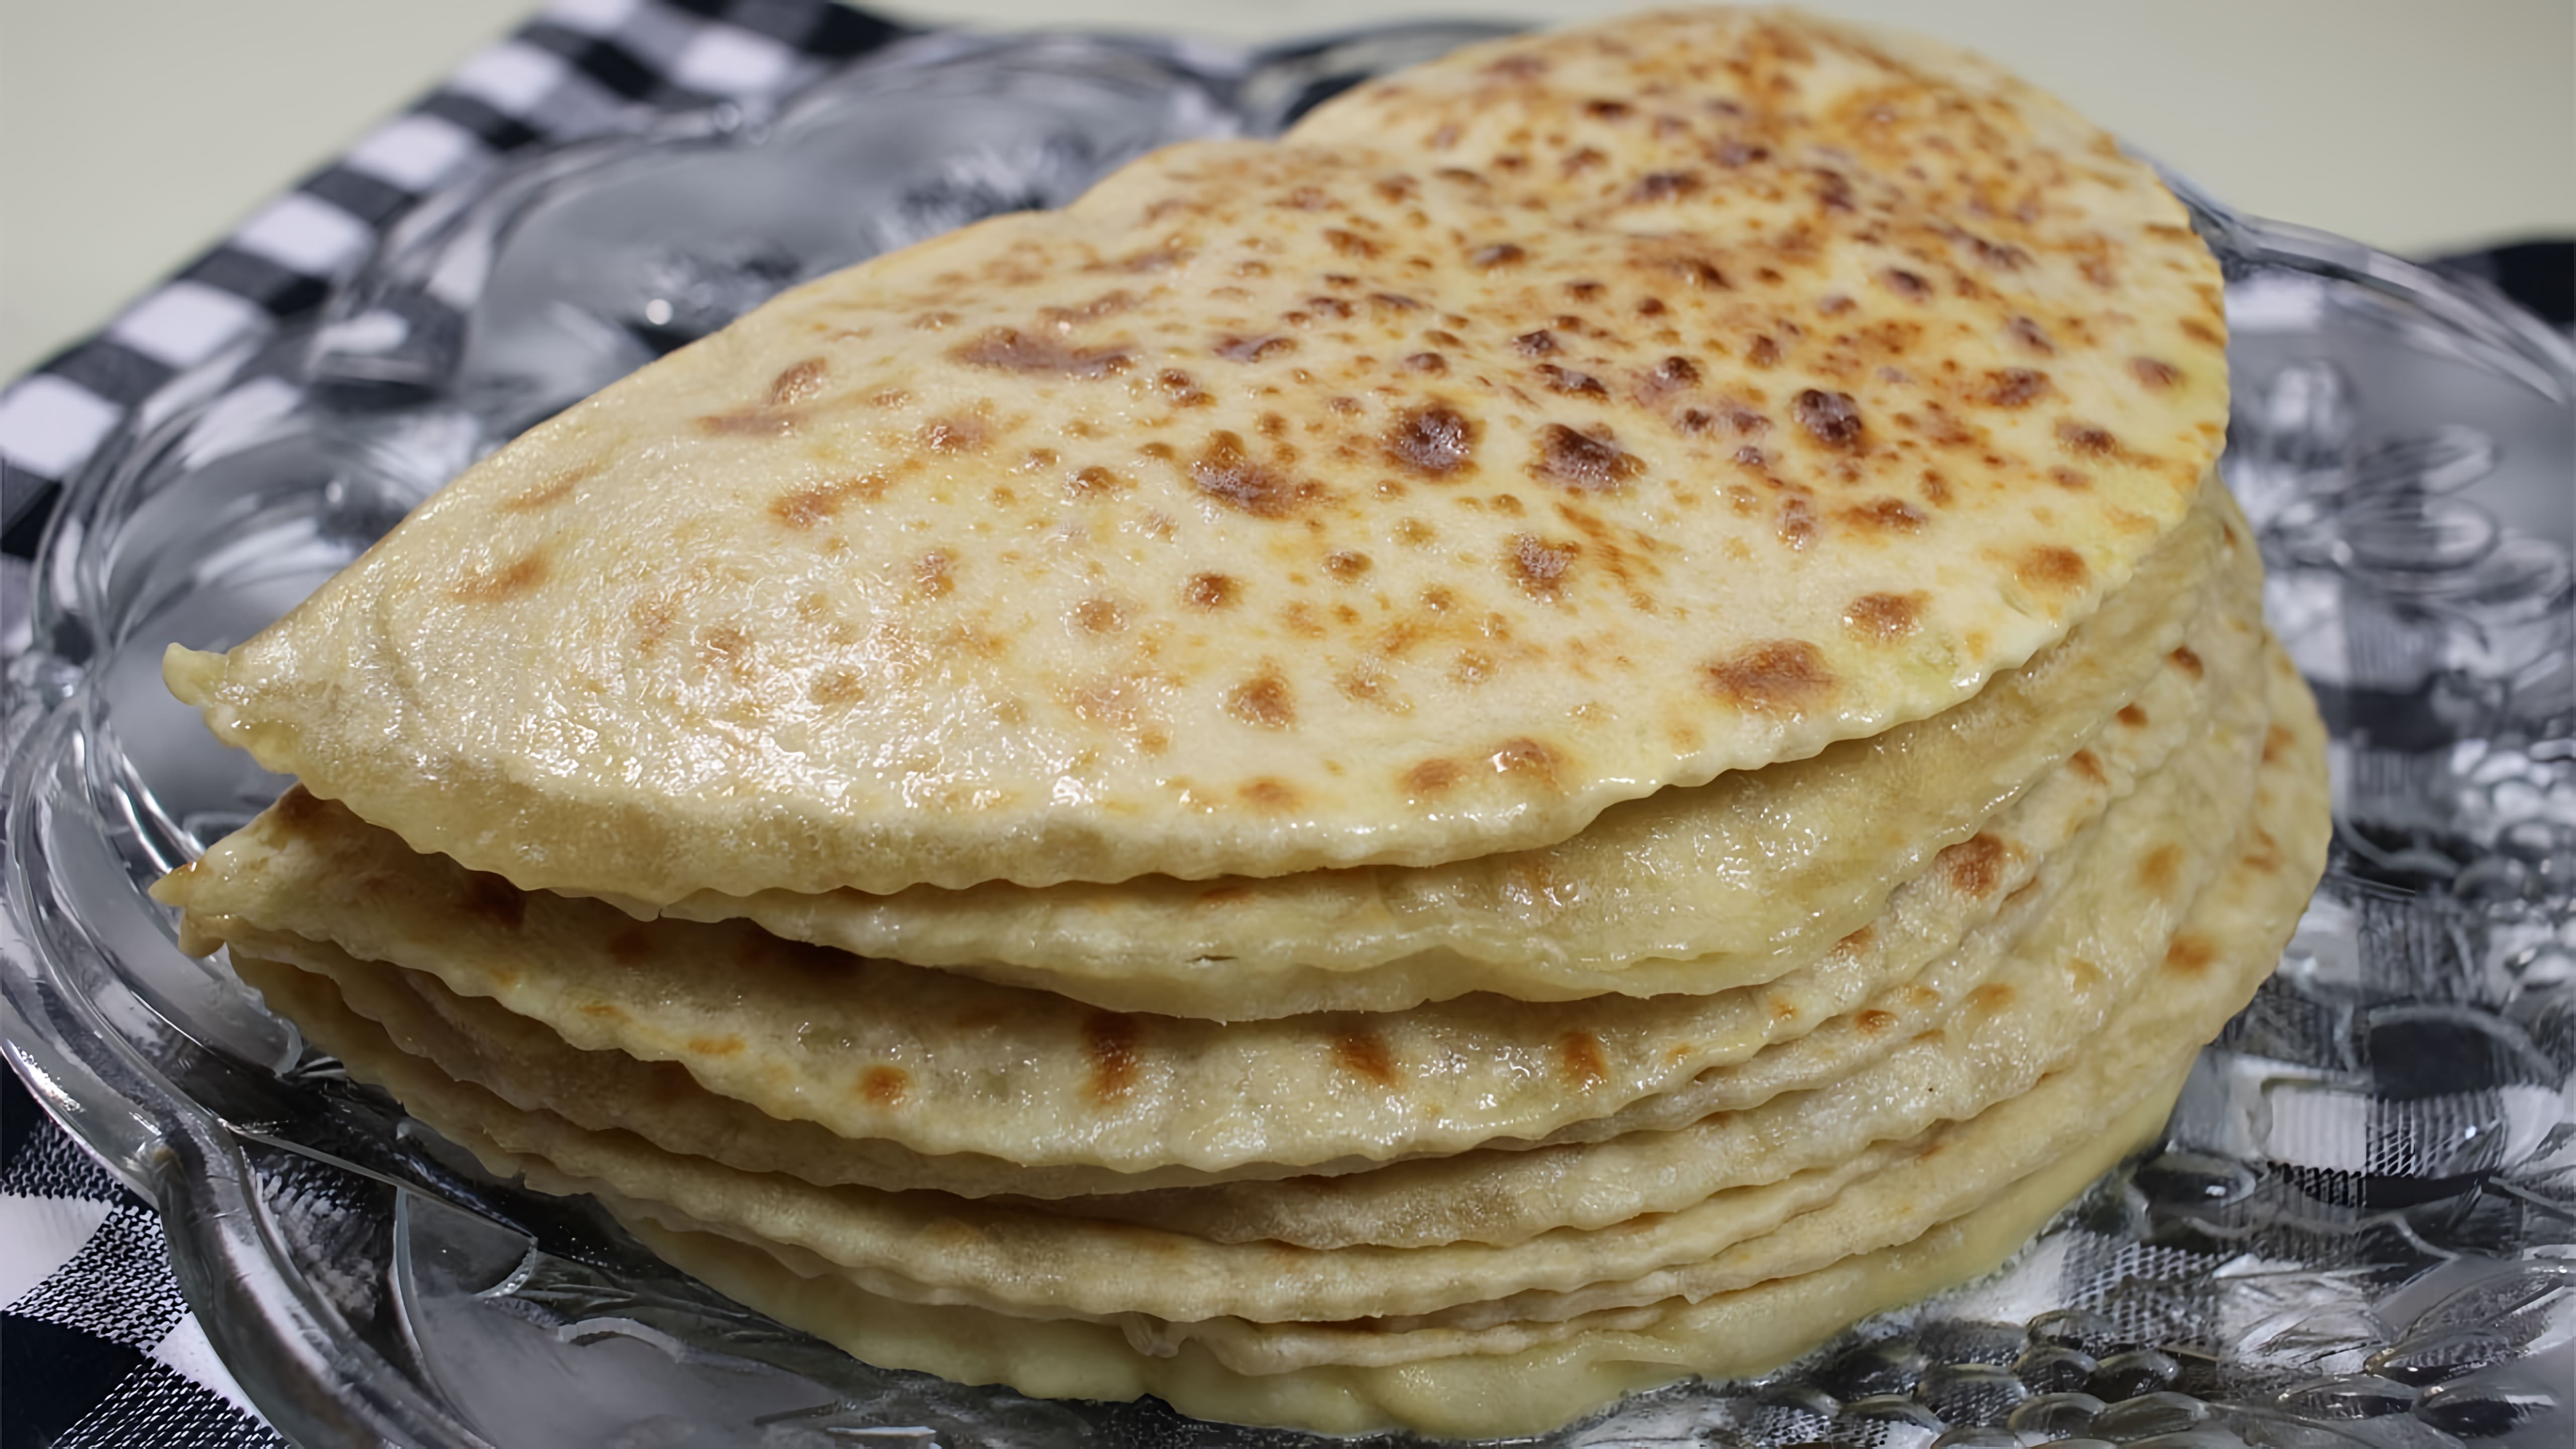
x: 1408, y: 491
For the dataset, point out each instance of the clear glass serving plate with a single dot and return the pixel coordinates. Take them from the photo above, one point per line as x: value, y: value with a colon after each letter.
x: 2357, y: 1231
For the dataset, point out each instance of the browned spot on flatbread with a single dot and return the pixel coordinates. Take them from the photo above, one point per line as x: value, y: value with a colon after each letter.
x: 1797, y: 521
x: 933, y: 575
x: 1783, y: 676
x: 2089, y: 765
x: 1269, y: 793
x: 1538, y: 566
x: 1209, y: 591
x: 956, y: 433
x: 2049, y: 567
x: 1883, y: 515
x: 1182, y: 390
x: 1228, y: 473
x: 1363, y: 1053
x: 798, y: 382
x: 2014, y: 387
x: 1433, y: 441
x: 2187, y: 661
x: 722, y: 646
x: 1566, y: 382
x: 1431, y: 777
x: 1263, y: 701
x: 1526, y: 759
x: 507, y: 582
x: 1657, y: 186
x: 1874, y: 1021
x: 1010, y: 350
x: 2158, y: 375
x: 1990, y: 998
x: 1349, y: 243
x: 716, y: 1046
x: 838, y: 687
x: 1100, y: 616
x: 1578, y: 1057
x: 1109, y: 1042
x: 493, y: 899
x: 1885, y: 616
x: 1586, y: 463
x: 2131, y: 715
x: 749, y: 422
x: 2190, y: 955
x: 1857, y: 942
x: 809, y: 506
x: 1831, y: 418
x: 1254, y: 349
x: 2087, y: 440
x: 2161, y: 868
x: 884, y: 1086
x: 551, y: 492
x: 2275, y: 740
x: 1974, y: 866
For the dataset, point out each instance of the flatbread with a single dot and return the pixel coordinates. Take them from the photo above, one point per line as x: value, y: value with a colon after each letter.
x: 1687, y: 891
x: 939, y: 1063
x: 1393, y: 494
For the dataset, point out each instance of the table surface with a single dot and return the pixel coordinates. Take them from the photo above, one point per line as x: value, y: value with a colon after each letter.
x: 134, y: 132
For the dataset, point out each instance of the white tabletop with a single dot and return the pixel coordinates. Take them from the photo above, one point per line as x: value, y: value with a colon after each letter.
x: 134, y: 132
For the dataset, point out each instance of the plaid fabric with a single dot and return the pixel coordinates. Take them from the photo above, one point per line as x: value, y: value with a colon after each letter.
x: 580, y: 68
x: 96, y: 1346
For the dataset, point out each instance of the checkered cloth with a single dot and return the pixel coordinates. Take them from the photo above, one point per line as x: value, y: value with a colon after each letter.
x: 580, y: 68
x: 96, y: 1346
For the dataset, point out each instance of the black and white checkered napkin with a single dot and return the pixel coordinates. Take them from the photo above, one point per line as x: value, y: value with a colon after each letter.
x: 97, y: 1347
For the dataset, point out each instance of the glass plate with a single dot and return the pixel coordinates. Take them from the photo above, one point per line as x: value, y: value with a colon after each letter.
x: 2358, y: 1229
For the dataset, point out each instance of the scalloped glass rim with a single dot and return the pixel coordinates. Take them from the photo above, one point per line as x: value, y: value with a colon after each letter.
x: 180, y: 1112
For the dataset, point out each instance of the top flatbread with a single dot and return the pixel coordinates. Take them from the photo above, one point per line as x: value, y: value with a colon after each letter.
x: 1572, y: 418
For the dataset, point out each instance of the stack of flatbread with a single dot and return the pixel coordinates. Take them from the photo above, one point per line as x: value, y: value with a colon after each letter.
x: 1587, y: 721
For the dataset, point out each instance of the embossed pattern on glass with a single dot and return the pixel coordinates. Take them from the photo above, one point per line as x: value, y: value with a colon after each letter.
x: 2357, y: 1231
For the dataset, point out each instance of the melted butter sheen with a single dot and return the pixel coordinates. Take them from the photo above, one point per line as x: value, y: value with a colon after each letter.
x: 1414, y: 489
